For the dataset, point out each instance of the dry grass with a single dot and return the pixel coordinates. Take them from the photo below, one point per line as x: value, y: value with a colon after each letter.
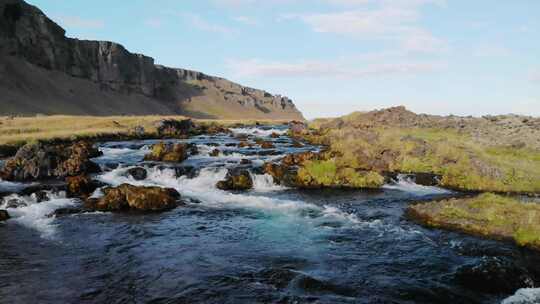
x: 19, y: 130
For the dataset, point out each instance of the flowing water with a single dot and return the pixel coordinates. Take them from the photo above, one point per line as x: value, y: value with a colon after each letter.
x: 267, y: 245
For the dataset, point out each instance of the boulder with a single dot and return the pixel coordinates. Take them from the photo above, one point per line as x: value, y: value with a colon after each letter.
x: 43, y: 161
x: 14, y: 203
x: 297, y: 127
x: 275, y: 135
x: 245, y: 161
x: 41, y: 196
x: 244, y: 144
x: 236, y: 179
x: 4, y: 215
x: 137, y: 173
x: 267, y: 145
x: 129, y: 197
x: 168, y: 152
x: 282, y: 174
x: 80, y: 186
x: 214, y: 153
x: 174, y: 128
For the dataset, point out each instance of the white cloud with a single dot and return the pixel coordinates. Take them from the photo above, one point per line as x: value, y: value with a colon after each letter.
x: 246, y: 20
x: 322, y: 69
x: 200, y: 23
x: 397, y: 21
x: 78, y: 22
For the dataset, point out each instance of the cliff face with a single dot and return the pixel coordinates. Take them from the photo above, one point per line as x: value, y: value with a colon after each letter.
x: 43, y: 71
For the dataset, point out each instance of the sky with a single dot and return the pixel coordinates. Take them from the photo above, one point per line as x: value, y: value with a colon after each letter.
x: 333, y: 57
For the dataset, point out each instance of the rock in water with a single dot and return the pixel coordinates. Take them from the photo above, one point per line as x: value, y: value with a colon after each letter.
x: 80, y: 186
x: 168, y: 152
x: 41, y: 161
x: 173, y: 128
x: 137, y: 173
x: 236, y: 179
x: 4, y: 215
x: 125, y: 197
x: 267, y: 145
x: 214, y: 153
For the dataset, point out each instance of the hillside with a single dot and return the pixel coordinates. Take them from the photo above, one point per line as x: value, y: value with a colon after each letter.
x: 45, y: 72
x: 491, y: 153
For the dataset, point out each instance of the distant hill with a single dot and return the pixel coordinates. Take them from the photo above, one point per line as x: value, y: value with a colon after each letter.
x: 44, y: 72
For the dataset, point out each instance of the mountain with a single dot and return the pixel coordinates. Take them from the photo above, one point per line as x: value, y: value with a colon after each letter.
x: 44, y: 72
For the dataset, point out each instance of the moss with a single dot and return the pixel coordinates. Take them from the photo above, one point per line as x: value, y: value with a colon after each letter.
x: 490, y: 215
x: 327, y: 173
x: 462, y: 162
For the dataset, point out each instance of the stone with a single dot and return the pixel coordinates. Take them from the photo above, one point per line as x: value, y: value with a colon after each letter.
x: 40, y: 161
x: 137, y: 173
x: 4, y: 215
x: 168, y: 152
x: 174, y: 128
x: 129, y: 197
x: 267, y: 145
x: 80, y: 186
x: 274, y: 135
x: 236, y: 179
x: 214, y: 153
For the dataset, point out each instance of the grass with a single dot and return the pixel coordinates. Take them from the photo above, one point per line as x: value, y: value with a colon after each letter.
x: 19, y: 130
x: 488, y: 215
x: 326, y: 173
x: 463, y: 163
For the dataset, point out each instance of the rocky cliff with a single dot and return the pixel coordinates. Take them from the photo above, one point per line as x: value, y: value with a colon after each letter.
x: 43, y: 71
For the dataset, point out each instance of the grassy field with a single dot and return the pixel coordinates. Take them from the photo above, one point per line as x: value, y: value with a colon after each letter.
x: 19, y: 130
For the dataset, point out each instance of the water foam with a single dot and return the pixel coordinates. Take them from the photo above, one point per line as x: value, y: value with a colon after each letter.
x: 406, y: 183
x: 6, y: 186
x: 37, y: 215
x: 524, y: 296
x: 203, y: 189
x: 265, y: 183
x: 258, y: 131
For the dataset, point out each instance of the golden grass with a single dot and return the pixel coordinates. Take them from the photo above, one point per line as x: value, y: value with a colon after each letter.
x: 19, y: 130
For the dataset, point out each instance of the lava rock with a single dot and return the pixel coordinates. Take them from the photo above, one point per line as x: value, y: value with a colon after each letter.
x: 129, y: 197
x: 42, y: 161
x: 267, y: 145
x: 168, y: 152
x: 174, y: 128
x: 236, y: 179
x: 41, y: 196
x: 137, y: 173
x: 4, y: 215
x: 15, y: 203
x: 80, y: 186
x: 494, y: 275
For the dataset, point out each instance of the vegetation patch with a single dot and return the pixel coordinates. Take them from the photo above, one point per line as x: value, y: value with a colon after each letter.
x: 488, y: 215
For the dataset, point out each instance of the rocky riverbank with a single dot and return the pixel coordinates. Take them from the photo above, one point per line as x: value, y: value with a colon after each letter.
x: 489, y: 154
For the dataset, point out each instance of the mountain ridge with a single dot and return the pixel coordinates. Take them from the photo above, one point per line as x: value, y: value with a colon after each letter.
x: 49, y: 73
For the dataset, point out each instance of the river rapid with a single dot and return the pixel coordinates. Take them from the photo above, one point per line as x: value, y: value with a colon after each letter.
x: 268, y: 245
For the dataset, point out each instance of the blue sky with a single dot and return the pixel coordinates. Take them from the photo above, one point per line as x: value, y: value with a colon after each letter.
x: 333, y: 57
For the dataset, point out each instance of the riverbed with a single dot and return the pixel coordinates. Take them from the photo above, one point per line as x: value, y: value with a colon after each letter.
x: 271, y: 244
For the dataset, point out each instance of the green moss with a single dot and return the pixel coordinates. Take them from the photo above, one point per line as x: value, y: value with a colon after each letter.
x: 327, y: 173
x: 488, y: 214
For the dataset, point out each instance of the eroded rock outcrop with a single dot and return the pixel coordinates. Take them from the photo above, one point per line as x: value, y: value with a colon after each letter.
x: 236, y: 179
x: 42, y: 161
x: 129, y: 197
x: 4, y: 215
x: 168, y: 152
x: 63, y: 75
